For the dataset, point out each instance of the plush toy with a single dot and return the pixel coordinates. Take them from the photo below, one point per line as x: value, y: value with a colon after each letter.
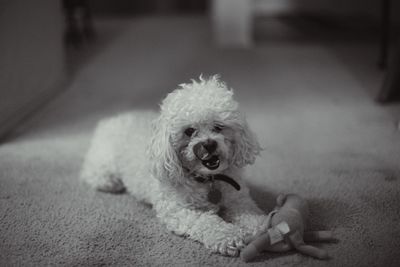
x: 287, y: 231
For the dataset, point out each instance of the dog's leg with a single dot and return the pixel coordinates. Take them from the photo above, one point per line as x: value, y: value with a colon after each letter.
x: 100, y: 168
x: 242, y: 211
x: 202, y: 226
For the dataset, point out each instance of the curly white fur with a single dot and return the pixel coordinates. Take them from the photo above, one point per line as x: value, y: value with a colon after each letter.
x: 160, y: 170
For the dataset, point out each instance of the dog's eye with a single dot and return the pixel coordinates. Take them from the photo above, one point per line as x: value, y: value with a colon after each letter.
x: 190, y: 131
x: 218, y: 128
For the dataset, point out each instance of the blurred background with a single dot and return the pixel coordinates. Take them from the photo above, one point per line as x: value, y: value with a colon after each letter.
x: 165, y: 42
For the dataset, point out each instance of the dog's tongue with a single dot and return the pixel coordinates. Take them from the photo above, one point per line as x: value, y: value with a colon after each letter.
x: 202, y: 153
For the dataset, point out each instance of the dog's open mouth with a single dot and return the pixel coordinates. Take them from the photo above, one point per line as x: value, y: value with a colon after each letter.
x: 209, y: 159
x: 212, y: 162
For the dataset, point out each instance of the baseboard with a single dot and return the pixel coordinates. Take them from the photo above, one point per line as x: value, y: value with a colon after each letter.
x: 25, y: 110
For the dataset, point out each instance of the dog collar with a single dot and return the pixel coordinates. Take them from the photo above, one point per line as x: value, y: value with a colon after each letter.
x: 219, y: 177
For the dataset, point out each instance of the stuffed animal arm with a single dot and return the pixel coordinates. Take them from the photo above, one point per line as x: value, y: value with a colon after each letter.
x: 287, y: 224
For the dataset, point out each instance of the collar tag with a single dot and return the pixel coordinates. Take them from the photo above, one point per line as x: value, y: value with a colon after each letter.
x: 214, y: 196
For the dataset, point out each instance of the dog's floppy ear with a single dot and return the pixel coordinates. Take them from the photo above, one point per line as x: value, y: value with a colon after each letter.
x: 165, y: 163
x: 246, y: 145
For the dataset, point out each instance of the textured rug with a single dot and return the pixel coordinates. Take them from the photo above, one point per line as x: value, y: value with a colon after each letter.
x: 308, y: 99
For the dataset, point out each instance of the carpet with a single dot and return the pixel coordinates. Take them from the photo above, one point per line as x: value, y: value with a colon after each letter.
x: 310, y: 101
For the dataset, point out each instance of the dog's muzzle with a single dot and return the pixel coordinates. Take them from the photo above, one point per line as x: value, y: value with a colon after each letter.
x: 206, y: 152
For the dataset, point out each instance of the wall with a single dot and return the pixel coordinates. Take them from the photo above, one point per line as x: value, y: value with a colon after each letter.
x: 31, y: 57
x: 370, y: 8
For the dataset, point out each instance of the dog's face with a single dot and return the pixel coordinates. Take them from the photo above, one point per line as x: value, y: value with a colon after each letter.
x: 200, y: 131
x: 206, y: 147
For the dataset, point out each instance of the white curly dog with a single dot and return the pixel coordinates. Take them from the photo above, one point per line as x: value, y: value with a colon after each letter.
x: 187, y: 164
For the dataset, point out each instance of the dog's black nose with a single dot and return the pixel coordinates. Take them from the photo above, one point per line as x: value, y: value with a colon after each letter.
x: 204, y: 150
x: 210, y: 145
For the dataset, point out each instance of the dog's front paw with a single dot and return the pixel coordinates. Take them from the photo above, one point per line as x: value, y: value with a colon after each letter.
x: 230, y: 246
